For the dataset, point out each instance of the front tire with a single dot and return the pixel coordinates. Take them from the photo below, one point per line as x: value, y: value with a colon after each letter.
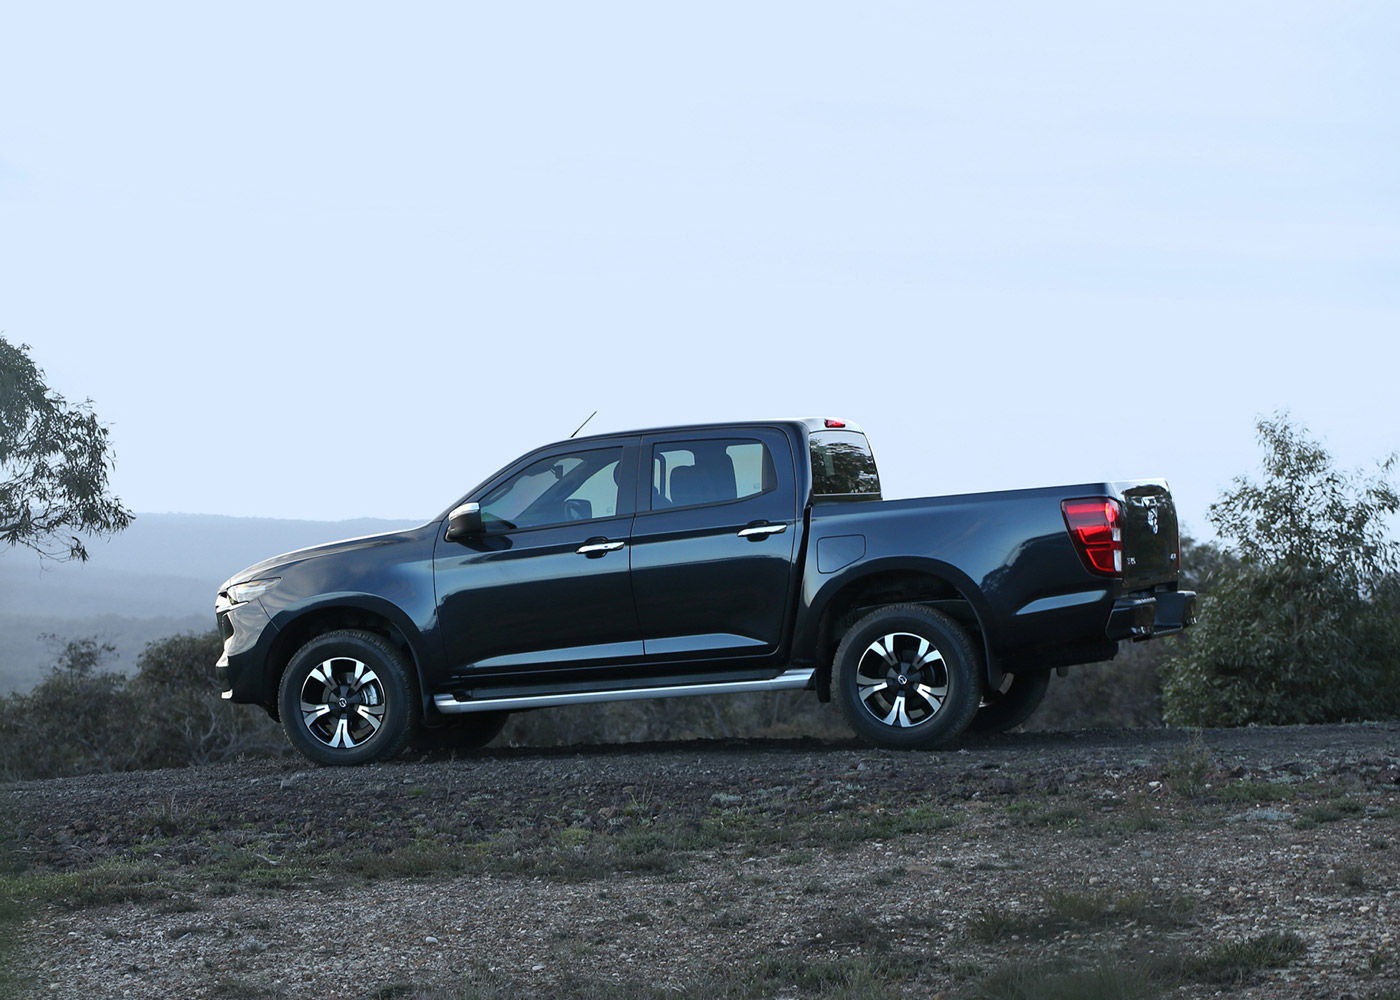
x: 907, y: 678
x: 347, y: 698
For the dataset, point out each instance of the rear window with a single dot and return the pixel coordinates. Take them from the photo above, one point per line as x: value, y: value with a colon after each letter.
x: 843, y: 467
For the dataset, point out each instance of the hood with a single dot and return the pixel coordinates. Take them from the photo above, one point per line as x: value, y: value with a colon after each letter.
x: 277, y: 565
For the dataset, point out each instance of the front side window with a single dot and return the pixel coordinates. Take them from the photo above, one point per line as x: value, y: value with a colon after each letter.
x: 555, y: 490
x: 686, y: 473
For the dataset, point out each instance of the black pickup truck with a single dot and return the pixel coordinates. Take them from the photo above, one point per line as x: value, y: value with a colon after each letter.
x: 708, y: 559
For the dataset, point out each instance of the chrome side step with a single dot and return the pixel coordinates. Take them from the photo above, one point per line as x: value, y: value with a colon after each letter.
x: 790, y: 680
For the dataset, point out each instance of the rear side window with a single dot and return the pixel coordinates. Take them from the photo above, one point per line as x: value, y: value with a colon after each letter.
x: 686, y: 473
x: 843, y: 467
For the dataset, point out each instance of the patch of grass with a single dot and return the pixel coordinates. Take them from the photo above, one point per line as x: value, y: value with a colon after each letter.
x: 1138, y: 818
x: 12, y: 914
x: 171, y: 820
x: 1078, y: 911
x: 856, y: 929
x: 998, y: 924
x: 1060, y: 817
x: 180, y: 904
x: 1108, y: 979
x: 1351, y: 879
x: 856, y: 977
x: 1327, y: 812
x: 96, y: 886
x: 1232, y: 962
x: 1188, y: 770
x: 1255, y: 792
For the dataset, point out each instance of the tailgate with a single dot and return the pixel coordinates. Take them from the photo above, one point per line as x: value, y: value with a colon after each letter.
x: 1150, y: 541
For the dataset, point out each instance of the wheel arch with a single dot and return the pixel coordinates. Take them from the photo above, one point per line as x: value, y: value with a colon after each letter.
x: 364, y: 614
x: 894, y: 582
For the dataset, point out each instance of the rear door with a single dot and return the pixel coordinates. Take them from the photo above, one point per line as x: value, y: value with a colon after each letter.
x: 712, y: 543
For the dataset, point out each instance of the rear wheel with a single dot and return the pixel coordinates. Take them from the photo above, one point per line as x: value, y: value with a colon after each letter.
x: 907, y: 677
x: 347, y: 698
x: 1011, y: 703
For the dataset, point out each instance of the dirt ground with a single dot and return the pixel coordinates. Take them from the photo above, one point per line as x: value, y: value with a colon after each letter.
x: 1151, y: 863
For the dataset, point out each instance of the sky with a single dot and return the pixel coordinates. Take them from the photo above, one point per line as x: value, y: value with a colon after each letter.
x: 326, y: 261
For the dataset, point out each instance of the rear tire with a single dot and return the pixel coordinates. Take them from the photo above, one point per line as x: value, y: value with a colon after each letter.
x: 907, y: 678
x: 347, y: 698
x: 1015, y: 701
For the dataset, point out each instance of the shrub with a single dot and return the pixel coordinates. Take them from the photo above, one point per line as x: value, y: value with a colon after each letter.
x: 1307, y: 628
x: 81, y: 719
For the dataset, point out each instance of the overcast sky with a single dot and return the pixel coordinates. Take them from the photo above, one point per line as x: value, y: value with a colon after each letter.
x: 334, y: 260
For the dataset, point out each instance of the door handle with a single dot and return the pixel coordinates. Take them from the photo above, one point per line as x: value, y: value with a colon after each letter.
x: 598, y: 548
x: 758, y: 532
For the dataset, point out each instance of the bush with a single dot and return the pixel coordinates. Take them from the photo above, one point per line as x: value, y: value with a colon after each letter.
x: 1307, y: 628
x: 84, y: 720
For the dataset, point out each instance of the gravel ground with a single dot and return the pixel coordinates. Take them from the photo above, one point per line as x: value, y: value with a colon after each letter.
x: 735, y: 868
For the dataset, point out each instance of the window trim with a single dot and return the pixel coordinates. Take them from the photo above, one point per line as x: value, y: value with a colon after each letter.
x: 627, y: 466
x: 644, y: 497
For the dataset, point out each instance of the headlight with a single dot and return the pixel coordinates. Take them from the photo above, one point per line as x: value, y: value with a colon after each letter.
x: 242, y: 593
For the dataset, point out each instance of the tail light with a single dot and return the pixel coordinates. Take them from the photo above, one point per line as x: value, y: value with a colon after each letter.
x: 1094, y: 524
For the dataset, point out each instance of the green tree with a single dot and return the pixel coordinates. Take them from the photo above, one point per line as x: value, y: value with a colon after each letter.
x: 54, y: 460
x: 1304, y: 628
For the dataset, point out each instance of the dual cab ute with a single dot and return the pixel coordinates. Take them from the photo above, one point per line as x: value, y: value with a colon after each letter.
x: 709, y: 559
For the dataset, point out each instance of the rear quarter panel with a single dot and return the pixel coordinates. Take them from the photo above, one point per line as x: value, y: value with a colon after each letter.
x: 1008, y: 553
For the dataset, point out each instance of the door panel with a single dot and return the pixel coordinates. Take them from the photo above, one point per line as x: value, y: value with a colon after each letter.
x: 544, y: 585
x: 702, y: 589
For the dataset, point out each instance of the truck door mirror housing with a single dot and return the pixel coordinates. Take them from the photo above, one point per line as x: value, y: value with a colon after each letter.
x: 464, y: 521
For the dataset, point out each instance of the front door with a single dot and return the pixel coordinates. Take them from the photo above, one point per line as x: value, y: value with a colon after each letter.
x: 545, y: 587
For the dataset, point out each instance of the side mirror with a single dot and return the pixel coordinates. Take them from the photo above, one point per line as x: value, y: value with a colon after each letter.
x: 464, y: 521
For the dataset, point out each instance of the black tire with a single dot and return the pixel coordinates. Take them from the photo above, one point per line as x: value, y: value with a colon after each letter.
x: 1004, y: 708
x: 907, y: 678
x: 348, y: 698
x: 466, y: 731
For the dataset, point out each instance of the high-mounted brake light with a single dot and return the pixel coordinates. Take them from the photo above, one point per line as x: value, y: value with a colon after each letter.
x: 1093, y: 523
x: 835, y: 423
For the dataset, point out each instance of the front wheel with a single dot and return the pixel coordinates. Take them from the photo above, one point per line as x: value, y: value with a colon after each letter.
x: 347, y: 698
x: 907, y: 677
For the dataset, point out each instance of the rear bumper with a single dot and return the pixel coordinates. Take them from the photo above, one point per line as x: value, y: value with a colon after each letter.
x: 1151, y: 615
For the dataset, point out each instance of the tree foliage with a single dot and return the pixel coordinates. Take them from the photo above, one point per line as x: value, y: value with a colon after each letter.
x: 54, y: 460
x: 84, y: 719
x: 1304, y: 629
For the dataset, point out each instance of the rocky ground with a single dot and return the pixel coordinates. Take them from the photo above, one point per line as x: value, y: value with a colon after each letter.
x: 1161, y: 863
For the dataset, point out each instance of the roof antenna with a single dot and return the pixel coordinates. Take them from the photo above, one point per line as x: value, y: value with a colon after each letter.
x: 584, y: 424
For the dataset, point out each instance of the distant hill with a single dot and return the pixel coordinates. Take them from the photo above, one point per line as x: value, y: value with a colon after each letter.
x: 155, y: 579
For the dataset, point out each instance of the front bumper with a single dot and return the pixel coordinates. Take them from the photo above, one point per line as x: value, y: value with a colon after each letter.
x: 247, y: 632
x: 1148, y: 616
